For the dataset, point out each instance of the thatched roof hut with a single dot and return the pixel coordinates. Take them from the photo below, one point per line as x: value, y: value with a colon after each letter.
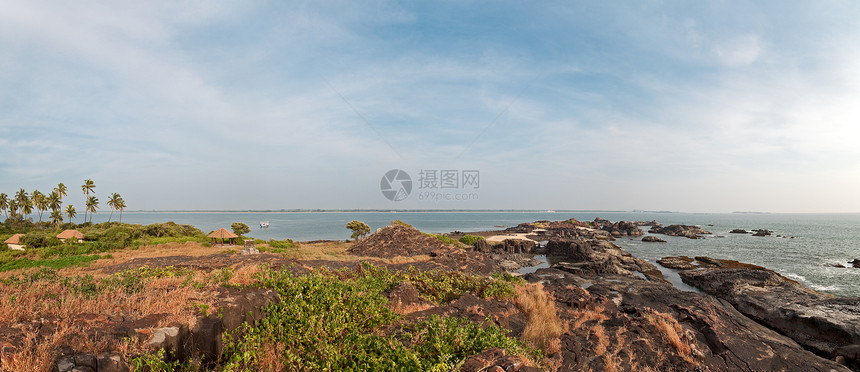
x: 70, y: 234
x: 222, y: 234
x: 14, y: 242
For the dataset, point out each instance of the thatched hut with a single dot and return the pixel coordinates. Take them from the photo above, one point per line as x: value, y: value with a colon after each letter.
x: 68, y: 234
x: 14, y: 242
x: 222, y: 234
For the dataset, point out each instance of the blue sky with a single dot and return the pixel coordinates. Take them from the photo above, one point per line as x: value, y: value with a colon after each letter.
x: 660, y: 105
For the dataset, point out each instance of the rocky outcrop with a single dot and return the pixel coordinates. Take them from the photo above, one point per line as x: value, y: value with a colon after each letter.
x: 506, y: 246
x: 495, y: 359
x: 396, y: 240
x: 652, y: 239
x: 678, y: 263
x: 762, y: 232
x: 647, y: 223
x: 618, y: 229
x: 624, y: 322
x: 855, y: 263
x: 739, y: 231
x: 687, y: 231
x: 819, y: 321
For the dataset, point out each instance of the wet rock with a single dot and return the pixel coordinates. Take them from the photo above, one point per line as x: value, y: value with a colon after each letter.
x: 678, y: 263
x: 855, y: 263
x: 819, y: 321
x: 653, y: 239
x: 739, y: 231
x: 618, y: 229
x: 687, y: 231
x: 762, y: 232
x: 506, y: 246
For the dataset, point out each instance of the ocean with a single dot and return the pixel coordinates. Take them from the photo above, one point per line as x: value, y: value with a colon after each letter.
x: 812, y: 244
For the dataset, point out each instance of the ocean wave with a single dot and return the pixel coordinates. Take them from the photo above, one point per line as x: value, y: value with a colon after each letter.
x: 825, y: 287
x: 796, y: 277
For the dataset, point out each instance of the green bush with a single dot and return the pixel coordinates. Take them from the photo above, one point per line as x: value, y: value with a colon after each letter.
x: 470, y: 239
x: 282, y: 244
x: 39, y: 239
x: 333, y: 320
x: 401, y: 223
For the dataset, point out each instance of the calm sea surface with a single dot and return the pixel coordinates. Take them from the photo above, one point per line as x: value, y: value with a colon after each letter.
x: 820, y: 240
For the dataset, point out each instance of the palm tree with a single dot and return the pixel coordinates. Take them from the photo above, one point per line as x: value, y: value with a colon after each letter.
x: 22, y: 198
x: 121, y: 208
x: 113, y: 203
x: 92, y: 205
x: 13, y: 207
x: 55, y: 201
x: 61, y: 190
x: 88, y: 187
x: 70, y: 211
x: 41, y: 204
x: 27, y: 207
x: 56, y: 218
x: 4, y: 203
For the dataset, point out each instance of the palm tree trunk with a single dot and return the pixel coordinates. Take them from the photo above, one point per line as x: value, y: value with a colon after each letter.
x: 111, y: 215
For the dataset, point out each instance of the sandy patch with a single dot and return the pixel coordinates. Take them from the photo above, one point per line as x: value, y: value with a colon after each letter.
x: 500, y: 238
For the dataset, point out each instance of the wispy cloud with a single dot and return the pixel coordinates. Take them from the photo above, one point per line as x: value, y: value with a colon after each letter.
x: 289, y: 105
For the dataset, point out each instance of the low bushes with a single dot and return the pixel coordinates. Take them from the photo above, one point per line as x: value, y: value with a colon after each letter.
x: 470, y: 239
x: 337, y: 320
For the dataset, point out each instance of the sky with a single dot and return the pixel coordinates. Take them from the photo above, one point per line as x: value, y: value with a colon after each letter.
x: 651, y: 105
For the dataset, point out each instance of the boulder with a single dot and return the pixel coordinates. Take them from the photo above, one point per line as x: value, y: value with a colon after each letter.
x: 819, y: 321
x: 653, y: 239
x: 739, y: 231
x: 687, y: 231
x: 762, y: 232
x: 855, y: 263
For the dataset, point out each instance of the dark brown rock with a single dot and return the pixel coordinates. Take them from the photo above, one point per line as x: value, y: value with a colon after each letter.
x: 396, y: 240
x: 819, y: 321
x: 687, y: 231
x: 653, y: 239
x: 678, y: 263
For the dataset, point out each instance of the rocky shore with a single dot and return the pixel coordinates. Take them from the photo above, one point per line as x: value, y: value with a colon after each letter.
x: 603, y: 308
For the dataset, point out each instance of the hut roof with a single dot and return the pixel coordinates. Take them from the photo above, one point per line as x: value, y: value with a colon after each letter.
x: 70, y: 234
x: 222, y: 233
x: 14, y: 239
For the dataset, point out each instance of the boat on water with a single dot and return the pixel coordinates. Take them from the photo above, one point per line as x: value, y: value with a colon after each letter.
x: 264, y: 225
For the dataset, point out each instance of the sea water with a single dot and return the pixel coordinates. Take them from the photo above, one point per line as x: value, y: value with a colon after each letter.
x: 810, y: 246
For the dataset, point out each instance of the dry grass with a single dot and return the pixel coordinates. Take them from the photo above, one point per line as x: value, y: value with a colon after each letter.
x: 63, y: 304
x: 543, y: 326
x: 672, y: 332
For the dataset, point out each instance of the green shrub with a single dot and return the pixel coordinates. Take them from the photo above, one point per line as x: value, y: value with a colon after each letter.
x: 281, y: 244
x: 56, y: 263
x: 470, y: 239
x: 333, y: 320
x: 39, y: 239
x: 401, y: 223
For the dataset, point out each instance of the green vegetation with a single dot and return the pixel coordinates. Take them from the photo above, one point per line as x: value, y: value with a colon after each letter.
x: 445, y: 239
x: 339, y: 320
x: 470, y: 239
x: 240, y: 228
x: 45, y: 250
x: 401, y: 223
x: 359, y: 229
x: 56, y: 263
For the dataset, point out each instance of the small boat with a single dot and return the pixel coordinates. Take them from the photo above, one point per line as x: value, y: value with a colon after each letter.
x: 264, y: 225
